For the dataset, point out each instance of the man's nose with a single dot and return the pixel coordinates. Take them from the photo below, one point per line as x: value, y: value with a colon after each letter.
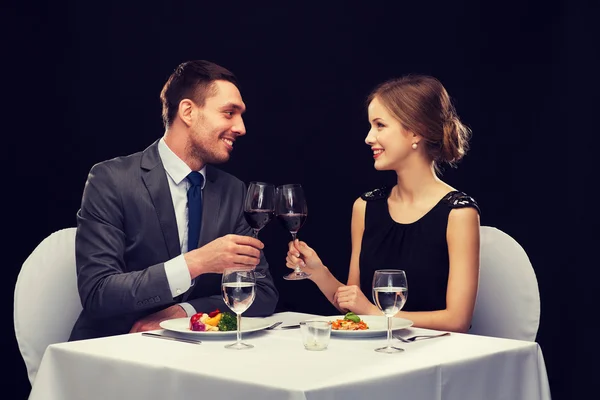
x: 239, y: 127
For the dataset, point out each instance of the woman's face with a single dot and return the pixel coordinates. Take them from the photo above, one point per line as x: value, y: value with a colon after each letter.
x: 390, y: 141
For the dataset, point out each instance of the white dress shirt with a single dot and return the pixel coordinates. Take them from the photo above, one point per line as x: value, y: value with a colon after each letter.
x: 176, y: 269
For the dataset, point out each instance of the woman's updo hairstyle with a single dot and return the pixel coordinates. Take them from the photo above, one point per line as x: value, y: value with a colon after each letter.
x: 422, y: 105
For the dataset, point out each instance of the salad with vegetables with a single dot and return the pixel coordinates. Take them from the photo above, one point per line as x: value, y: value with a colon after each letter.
x: 213, y: 321
x: 350, y: 322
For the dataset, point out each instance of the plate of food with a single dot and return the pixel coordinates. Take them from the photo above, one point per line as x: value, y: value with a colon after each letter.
x: 352, y: 325
x: 214, y: 324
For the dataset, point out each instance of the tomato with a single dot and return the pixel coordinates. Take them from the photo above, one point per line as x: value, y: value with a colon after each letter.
x: 212, y: 314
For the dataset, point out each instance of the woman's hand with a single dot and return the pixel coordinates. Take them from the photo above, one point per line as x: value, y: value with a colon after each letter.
x: 299, y: 254
x: 351, y: 298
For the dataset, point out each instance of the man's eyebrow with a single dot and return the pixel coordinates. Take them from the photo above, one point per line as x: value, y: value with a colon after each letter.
x: 234, y: 106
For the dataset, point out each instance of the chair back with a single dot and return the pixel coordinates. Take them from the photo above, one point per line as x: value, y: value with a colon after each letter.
x: 46, y: 301
x: 508, y: 298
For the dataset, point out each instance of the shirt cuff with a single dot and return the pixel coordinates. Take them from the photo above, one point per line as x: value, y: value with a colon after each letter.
x: 178, y: 275
x: 188, y: 308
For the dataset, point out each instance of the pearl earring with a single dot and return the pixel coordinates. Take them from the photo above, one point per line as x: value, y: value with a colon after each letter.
x: 414, y: 146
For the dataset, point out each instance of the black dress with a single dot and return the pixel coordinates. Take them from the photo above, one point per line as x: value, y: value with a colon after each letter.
x: 419, y: 248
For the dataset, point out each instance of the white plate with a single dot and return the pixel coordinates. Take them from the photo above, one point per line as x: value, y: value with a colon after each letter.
x: 183, y: 325
x: 377, y: 326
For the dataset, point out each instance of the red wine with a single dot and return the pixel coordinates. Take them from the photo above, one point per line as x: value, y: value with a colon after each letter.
x: 292, y: 221
x: 257, y: 219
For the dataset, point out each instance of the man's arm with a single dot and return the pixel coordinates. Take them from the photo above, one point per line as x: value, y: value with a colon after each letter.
x: 266, y: 294
x: 105, y: 286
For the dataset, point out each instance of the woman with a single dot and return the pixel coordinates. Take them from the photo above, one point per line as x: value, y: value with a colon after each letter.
x: 421, y: 225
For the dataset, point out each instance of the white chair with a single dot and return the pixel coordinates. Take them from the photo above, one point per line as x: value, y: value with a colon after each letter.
x: 508, y: 298
x: 46, y: 302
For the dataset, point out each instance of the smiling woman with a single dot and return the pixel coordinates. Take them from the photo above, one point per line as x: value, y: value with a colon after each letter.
x: 421, y: 225
x: 420, y: 113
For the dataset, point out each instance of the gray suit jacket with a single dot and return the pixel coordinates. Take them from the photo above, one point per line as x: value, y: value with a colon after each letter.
x: 126, y: 230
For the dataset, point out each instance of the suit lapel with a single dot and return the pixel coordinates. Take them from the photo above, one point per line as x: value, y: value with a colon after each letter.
x: 155, y: 180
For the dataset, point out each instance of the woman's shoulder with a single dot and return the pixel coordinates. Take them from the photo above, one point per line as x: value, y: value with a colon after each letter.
x: 376, y: 194
x: 458, y: 199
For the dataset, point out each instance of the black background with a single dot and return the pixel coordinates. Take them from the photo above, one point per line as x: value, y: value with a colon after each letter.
x: 82, y: 83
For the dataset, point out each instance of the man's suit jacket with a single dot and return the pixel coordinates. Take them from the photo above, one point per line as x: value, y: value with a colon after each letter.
x: 126, y: 230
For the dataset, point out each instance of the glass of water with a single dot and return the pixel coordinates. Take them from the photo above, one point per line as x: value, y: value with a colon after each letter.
x: 315, y: 334
x: 390, y: 290
x: 238, y: 286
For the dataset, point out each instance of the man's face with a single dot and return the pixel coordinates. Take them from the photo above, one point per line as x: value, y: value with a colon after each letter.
x: 217, y: 124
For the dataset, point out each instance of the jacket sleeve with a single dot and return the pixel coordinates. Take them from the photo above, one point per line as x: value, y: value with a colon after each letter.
x: 266, y: 293
x: 106, y: 287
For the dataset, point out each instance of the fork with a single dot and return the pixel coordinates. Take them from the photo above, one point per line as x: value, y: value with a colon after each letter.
x: 413, y: 338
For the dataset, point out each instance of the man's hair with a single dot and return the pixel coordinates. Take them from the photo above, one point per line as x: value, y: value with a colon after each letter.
x: 191, y: 80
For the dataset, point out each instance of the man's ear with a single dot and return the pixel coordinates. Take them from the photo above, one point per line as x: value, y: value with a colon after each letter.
x: 186, y: 111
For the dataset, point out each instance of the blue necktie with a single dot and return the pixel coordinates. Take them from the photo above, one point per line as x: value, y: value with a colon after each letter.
x: 194, y: 196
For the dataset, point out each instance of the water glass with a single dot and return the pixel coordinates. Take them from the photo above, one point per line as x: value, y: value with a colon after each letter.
x: 390, y: 291
x: 239, y: 291
x: 315, y: 334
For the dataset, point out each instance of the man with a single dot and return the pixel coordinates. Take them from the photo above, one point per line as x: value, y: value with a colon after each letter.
x: 157, y: 228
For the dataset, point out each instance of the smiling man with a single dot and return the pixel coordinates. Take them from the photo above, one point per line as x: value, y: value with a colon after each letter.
x: 157, y: 228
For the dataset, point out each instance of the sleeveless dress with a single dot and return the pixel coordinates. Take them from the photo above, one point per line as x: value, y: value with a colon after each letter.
x: 419, y: 248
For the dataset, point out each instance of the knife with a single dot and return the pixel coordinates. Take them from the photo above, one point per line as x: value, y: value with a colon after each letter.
x: 290, y: 326
x: 177, y: 339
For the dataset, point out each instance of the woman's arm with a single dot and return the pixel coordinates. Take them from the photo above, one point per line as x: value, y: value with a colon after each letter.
x: 356, y: 230
x: 300, y: 252
x: 350, y: 297
x: 463, y: 250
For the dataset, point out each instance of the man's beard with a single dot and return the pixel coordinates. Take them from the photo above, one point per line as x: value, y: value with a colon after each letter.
x: 205, y: 155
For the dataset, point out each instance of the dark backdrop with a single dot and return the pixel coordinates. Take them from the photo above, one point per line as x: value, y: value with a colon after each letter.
x: 82, y: 82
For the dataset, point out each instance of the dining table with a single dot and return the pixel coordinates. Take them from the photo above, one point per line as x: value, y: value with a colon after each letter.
x: 458, y: 366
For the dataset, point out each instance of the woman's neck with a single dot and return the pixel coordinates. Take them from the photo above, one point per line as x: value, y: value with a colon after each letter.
x: 416, y: 182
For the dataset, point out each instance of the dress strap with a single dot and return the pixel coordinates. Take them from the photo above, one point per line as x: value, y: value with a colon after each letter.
x: 376, y: 194
x: 457, y: 199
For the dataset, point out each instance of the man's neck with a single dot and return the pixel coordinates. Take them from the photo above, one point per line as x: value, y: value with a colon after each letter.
x: 178, y: 141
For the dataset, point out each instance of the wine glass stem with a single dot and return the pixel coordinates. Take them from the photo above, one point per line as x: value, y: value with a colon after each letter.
x: 297, y: 270
x: 389, y: 331
x: 239, y: 328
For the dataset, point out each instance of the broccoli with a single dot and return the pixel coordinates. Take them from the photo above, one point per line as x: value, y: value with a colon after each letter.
x: 228, y: 322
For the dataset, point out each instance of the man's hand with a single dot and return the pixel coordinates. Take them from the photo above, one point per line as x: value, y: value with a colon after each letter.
x: 227, y: 251
x: 152, y: 321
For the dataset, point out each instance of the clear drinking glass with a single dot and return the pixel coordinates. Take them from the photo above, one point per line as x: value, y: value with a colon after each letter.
x: 291, y: 210
x: 259, y: 208
x: 238, y: 293
x: 390, y: 291
x: 315, y: 334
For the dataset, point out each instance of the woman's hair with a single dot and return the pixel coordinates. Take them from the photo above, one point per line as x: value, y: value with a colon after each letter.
x: 422, y: 105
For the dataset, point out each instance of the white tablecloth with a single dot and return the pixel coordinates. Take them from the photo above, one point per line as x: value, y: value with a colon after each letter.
x: 455, y: 367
